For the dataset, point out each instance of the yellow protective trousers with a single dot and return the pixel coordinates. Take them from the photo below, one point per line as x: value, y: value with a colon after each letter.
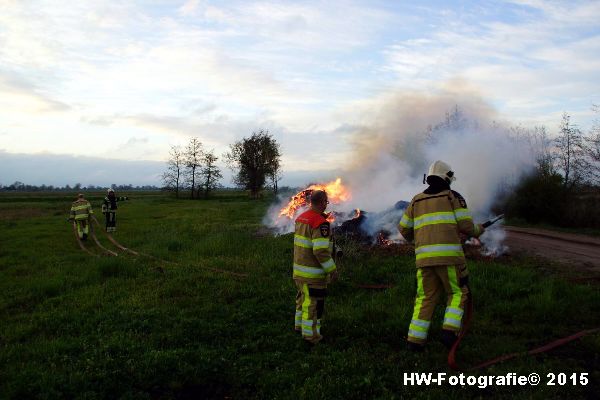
x: 310, y: 304
x: 83, y: 227
x: 431, y: 282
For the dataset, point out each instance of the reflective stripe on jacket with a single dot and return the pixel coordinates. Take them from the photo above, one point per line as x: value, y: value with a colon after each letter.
x: 435, y: 221
x: 81, y: 209
x: 312, y: 257
x: 111, y: 206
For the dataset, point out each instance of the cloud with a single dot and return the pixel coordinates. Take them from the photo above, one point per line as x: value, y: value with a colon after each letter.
x: 63, y: 169
x: 20, y: 95
x: 537, y: 58
x: 110, y: 71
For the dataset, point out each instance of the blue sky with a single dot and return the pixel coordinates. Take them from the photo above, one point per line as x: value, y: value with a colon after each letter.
x: 124, y: 80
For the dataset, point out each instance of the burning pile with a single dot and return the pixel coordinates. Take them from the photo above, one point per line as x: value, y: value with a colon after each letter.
x: 367, y: 228
x: 352, y: 224
x: 336, y: 193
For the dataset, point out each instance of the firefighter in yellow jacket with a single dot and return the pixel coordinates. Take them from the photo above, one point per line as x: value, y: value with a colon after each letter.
x: 435, y: 220
x: 313, y: 267
x: 81, y: 210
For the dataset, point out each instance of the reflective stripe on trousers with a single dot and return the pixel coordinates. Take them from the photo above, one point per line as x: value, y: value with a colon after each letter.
x: 309, y: 310
x: 431, y: 283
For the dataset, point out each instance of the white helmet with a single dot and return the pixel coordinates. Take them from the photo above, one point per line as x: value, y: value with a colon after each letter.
x: 109, y: 190
x: 443, y: 170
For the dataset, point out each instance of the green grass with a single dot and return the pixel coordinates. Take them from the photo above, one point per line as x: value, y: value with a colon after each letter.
x: 77, y: 326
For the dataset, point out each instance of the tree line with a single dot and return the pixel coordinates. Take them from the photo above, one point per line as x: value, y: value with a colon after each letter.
x: 24, y: 187
x: 564, y: 188
x: 255, y: 161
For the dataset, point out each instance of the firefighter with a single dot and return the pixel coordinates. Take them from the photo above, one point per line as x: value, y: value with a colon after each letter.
x: 109, y: 209
x: 435, y: 220
x: 81, y: 210
x: 314, y: 267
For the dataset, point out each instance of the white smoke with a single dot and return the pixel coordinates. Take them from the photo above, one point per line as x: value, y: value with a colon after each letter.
x: 402, y: 133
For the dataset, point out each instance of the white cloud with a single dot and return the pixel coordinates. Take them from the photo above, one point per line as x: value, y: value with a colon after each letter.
x: 108, y: 71
x: 527, y: 67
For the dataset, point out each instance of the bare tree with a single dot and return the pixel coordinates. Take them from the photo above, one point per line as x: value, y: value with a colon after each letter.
x: 175, y: 164
x: 275, y: 174
x: 540, y: 146
x: 570, y: 153
x: 193, y: 161
x: 211, y: 174
x: 592, y: 148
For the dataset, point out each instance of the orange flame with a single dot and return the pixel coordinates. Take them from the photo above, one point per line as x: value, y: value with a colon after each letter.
x: 382, y: 241
x: 336, y: 193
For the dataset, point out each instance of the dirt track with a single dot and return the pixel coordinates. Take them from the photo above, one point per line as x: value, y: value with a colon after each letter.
x: 578, y: 250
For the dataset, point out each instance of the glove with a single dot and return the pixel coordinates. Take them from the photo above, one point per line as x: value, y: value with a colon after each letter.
x: 334, y: 276
x: 481, y: 229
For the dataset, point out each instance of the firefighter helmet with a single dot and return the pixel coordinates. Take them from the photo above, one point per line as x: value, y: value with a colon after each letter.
x: 443, y: 170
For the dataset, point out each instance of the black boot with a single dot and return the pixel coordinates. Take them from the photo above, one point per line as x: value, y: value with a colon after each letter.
x: 415, y: 347
x: 448, y: 338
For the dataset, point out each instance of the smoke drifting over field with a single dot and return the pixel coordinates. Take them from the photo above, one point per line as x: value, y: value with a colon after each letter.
x: 405, y: 132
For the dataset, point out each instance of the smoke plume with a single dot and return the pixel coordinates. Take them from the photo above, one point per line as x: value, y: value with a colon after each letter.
x: 403, y: 133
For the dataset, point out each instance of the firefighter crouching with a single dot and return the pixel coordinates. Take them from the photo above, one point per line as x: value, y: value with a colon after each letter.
x: 313, y: 267
x: 109, y: 209
x: 81, y: 210
x: 435, y: 219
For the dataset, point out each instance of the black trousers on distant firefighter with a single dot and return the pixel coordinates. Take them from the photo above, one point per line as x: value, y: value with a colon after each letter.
x: 431, y: 282
x: 111, y: 221
x: 310, y: 305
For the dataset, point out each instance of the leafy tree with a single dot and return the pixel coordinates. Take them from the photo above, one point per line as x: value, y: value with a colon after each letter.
x: 538, y: 198
x: 253, y: 160
x: 172, y: 177
x: 210, y: 173
x: 193, y: 160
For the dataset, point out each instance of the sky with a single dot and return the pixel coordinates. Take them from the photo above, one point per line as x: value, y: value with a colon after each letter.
x: 97, y: 92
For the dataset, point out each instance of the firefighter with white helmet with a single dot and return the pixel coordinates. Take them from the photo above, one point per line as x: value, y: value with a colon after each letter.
x: 109, y: 209
x: 81, y: 210
x: 435, y: 219
x: 314, y: 267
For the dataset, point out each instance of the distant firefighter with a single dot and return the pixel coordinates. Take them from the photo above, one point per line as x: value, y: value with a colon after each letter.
x: 81, y: 210
x: 109, y: 209
x: 435, y: 219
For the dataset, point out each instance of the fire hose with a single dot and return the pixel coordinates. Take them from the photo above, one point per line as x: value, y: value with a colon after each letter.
x: 120, y: 246
x: 112, y: 253
x: 467, y: 323
x: 113, y: 241
x: 468, y: 311
x: 79, y: 240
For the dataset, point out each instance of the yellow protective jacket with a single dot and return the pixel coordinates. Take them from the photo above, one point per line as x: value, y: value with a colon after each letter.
x: 312, y: 257
x: 435, y: 222
x: 80, y: 209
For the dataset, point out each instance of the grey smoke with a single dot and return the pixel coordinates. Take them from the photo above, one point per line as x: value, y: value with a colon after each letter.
x: 405, y: 132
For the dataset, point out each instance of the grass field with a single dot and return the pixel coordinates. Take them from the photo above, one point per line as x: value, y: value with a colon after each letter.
x: 77, y: 326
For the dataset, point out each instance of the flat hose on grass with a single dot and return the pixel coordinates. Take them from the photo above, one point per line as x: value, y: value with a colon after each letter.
x: 467, y: 324
x: 465, y: 328
x: 113, y: 241
x: 112, y: 253
x: 542, y: 349
x: 120, y: 246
